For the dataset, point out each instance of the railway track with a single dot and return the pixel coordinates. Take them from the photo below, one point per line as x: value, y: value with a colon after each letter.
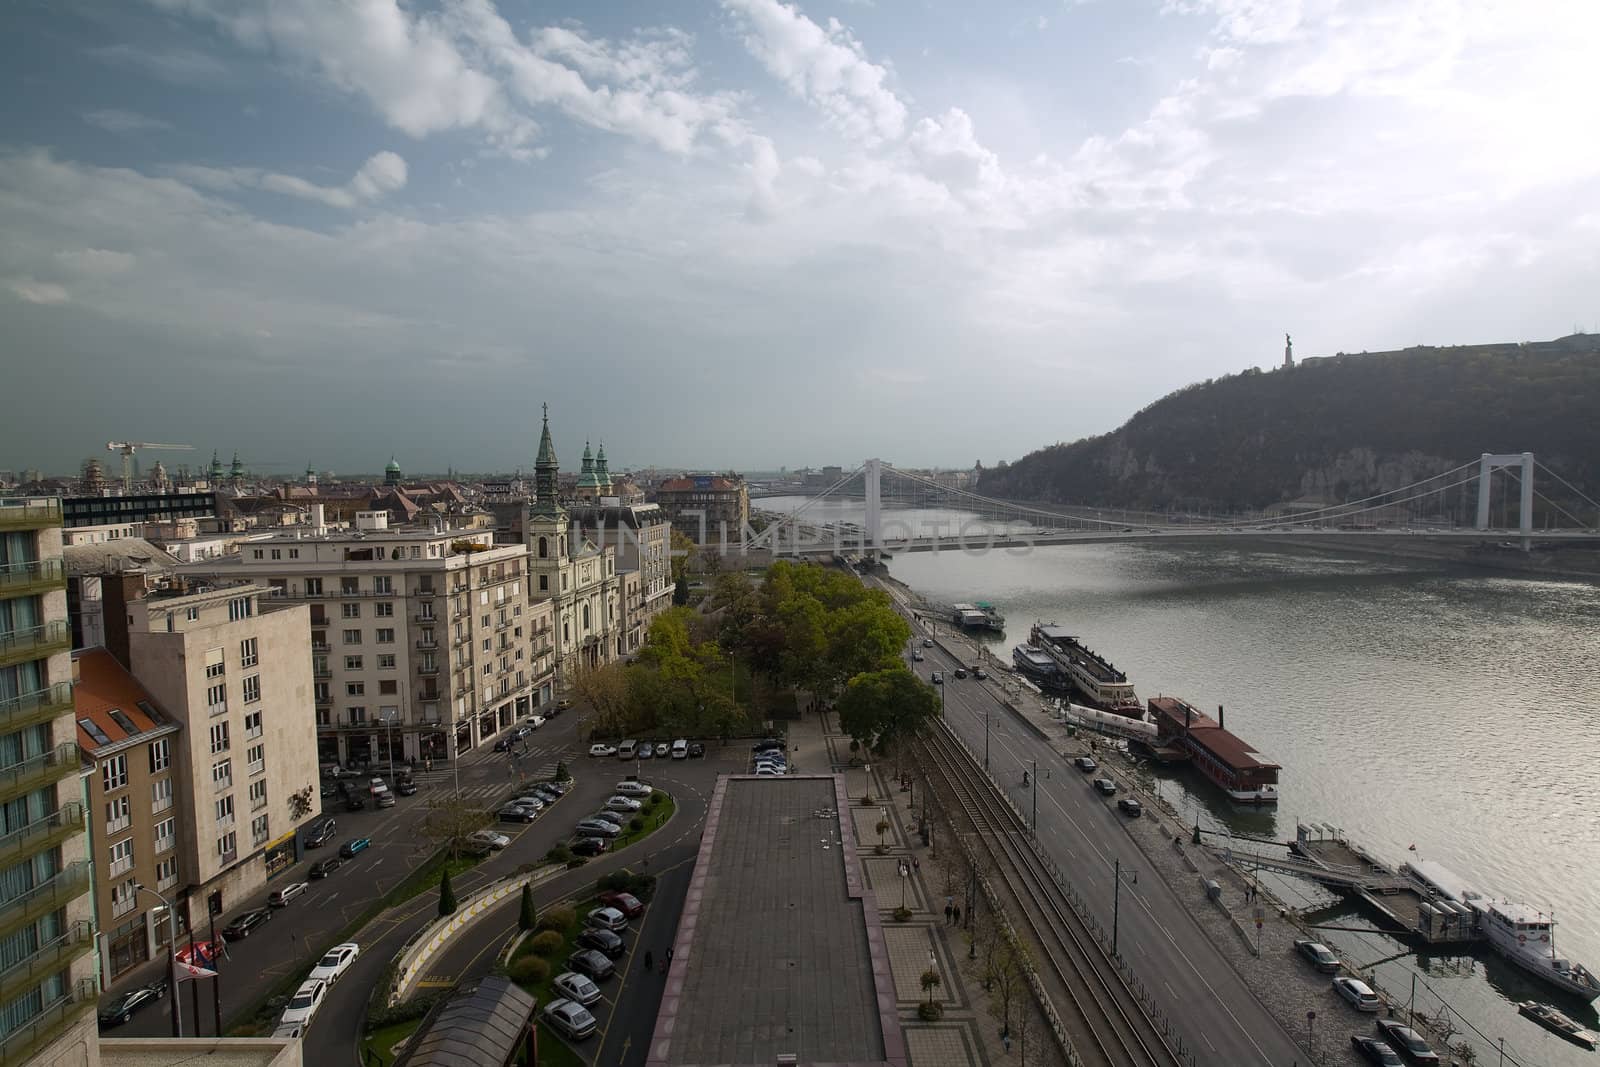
x: 1099, y: 1013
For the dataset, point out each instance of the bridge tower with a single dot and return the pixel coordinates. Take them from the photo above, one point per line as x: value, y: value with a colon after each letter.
x: 872, y: 476
x: 1487, y: 464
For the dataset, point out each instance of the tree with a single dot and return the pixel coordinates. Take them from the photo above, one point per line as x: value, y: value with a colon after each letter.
x: 604, y: 688
x: 449, y: 822
x: 1008, y: 972
x: 930, y: 982
x: 447, y: 895
x: 887, y: 706
x: 681, y: 548
x: 528, y: 917
x: 680, y: 590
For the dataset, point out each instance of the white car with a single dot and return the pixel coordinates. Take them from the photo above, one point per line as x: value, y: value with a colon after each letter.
x: 1358, y: 993
x: 634, y: 788
x: 488, y: 839
x: 289, y: 1030
x: 536, y: 721
x: 608, y: 919
x: 570, y: 1018
x: 602, y: 750
x: 305, y: 1002
x: 622, y: 803
x: 575, y: 986
x: 280, y: 897
x: 536, y: 803
x: 335, y: 962
x: 768, y: 772
x: 680, y: 748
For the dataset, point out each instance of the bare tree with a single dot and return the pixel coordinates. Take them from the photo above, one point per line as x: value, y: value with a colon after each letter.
x: 1027, y: 1026
x: 985, y: 935
x: 1008, y: 973
x: 450, y: 821
x: 604, y: 688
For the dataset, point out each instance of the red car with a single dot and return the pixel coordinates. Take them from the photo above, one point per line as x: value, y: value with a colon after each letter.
x: 627, y: 903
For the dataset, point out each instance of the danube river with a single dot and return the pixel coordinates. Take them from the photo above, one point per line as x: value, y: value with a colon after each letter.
x: 1409, y: 704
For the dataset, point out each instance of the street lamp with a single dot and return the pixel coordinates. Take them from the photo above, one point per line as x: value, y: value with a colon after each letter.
x: 388, y: 715
x: 1035, y: 795
x: 986, y: 738
x: 172, y: 956
x: 1116, y: 902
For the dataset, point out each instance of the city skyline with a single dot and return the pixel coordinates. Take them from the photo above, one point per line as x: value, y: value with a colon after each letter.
x: 748, y: 233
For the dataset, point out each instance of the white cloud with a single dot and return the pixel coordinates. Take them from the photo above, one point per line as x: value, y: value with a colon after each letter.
x: 379, y: 176
x: 95, y: 262
x: 826, y: 66
x: 115, y: 120
x: 37, y: 292
x: 180, y: 66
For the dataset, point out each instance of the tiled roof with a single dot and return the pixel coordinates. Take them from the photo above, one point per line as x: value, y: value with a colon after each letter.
x: 109, y: 703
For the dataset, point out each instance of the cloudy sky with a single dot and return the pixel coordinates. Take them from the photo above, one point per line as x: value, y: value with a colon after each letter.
x: 749, y: 232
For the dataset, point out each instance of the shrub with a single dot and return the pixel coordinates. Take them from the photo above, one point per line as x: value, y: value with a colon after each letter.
x: 415, y: 1008
x: 656, y: 798
x: 855, y: 746
x: 559, y: 854
x: 615, y: 882
x: 930, y: 1011
x: 902, y: 914
x: 447, y: 895
x: 528, y: 915
x: 557, y: 918
x: 547, y: 943
x: 636, y: 824
x: 575, y: 862
x: 529, y: 970
x: 562, y: 774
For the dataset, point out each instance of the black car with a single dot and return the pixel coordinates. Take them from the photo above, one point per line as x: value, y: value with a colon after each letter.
x: 320, y: 833
x: 405, y: 787
x: 696, y: 750
x: 1131, y: 807
x: 961, y: 672
x: 603, y: 941
x: 354, y: 802
x: 588, y: 846
x: 325, y: 867
x: 592, y: 963
x: 1375, y: 1051
x: 1407, y: 1042
x: 240, y: 928
x: 503, y: 745
x: 128, y: 1004
x: 771, y: 744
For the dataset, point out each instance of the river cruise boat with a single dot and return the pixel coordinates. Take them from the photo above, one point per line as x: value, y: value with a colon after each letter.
x: 1095, y: 680
x: 1229, y: 761
x: 1032, y: 663
x: 1558, y: 1023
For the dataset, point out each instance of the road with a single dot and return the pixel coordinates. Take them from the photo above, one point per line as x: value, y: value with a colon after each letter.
x: 1219, y: 1017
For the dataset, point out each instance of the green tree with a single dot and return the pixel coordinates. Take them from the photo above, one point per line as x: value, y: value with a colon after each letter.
x: 604, y: 688
x: 884, y: 707
x: 447, y: 895
x: 680, y: 590
x: 681, y: 548
x: 528, y: 917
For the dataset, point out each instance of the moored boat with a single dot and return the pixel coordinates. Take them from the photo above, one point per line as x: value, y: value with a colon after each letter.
x: 1526, y: 937
x: 1228, y: 760
x: 1092, y: 677
x: 1034, y: 664
x: 1558, y: 1023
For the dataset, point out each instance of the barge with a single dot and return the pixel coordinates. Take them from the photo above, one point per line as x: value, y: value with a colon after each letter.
x: 1228, y: 760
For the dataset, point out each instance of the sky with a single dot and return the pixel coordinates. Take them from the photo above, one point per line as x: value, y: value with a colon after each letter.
x: 754, y: 233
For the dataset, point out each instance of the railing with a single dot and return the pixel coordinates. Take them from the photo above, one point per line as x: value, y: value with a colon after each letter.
x: 39, y: 771
x: 219, y: 785
x: 426, y: 594
x: 425, y: 644
x: 31, y: 708
x: 43, y: 833
x: 37, y: 513
x: 47, y: 959
x: 321, y: 646
x: 35, y: 642
x: 427, y: 671
x: 67, y: 884
x: 20, y: 1045
x: 322, y: 672
x: 426, y: 616
x: 17, y: 578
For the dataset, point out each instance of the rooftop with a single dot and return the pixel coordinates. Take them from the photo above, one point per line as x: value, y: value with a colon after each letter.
x: 1210, y: 735
x: 779, y: 950
x: 479, y: 1025
x: 211, y: 1051
x: 109, y: 703
x: 684, y: 484
x: 113, y: 557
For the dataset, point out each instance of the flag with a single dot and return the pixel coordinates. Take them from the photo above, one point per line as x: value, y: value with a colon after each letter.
x: 189, y: 970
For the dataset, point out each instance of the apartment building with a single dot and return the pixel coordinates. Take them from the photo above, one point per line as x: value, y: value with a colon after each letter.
x: 132, y: 783
x: 640, y: 536
x: 711, y: 509
x: 47, y: 967
x: 422, y: 642
x: 229, y: 665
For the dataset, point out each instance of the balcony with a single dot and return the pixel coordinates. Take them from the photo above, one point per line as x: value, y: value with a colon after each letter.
x: 425, y: 594
x: 426, y: 616
x: 68, y: 884
x: 48, y: 832
x: 43, y: 769
x: 322, y: 673
x: 50, y: 958
x: 31, y: 709
x: 427, y: 672
x: 222, y: 785
x: 40, y: 576
x: 35, y: 642
x: 20, y: 1045
x: 321, y: 646
x: 460, y: 613
x: 35, y: 515
x: 427, y: 644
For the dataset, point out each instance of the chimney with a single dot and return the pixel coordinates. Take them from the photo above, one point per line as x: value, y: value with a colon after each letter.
x: 1221, y: 720
x: 1188, y: 713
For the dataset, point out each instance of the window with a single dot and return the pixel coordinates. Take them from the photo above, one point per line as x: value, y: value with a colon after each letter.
x: 355, y: 689
x: 352, y: 637
x: 247, y: 652
x: 384, y: 609
x: 313, y: 587
x: 350, y: 609
x: 166, y: 835
x: 277, y: 553
x: 257, y: 757
x: 224, y: 811
x: 324, y: 716
x: 488, y: 669
x: 241, y: 607
x: 386, y: 661
x: 352, y: 663
x: 192, y: 614
x: 222, y: 774
x: 219, y: 738
x: 216, y: 670
x: 160, y: 755
x: 544, y: 583
x: 349, y: 586
x: 217, y: 699
x: 258, y: 553
x: 258, y: 830
x: 252, y: 725
x: 355, y: 714
x: 385, y: 637
x: 167, y: 873
x: 114, y: 773
x: 228, y: 847
x: 488, y: 644
x: 121, y: 857
x: 294, y: 553
x: 486, y: 622
x: 123, y: 897
x: 258, y: 794
x: 388, y: 687
x: 383, y: 584
x: 118, y: 815
x: 161, y: 795
x: 252, y: 689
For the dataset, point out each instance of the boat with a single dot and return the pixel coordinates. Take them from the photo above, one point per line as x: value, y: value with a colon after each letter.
x: 1033, y: 663
x: 1526, y: 937
x: 1557, y: 1023
x: 1231, y: 763
x: 979, y: 616
x: 1096, y: 680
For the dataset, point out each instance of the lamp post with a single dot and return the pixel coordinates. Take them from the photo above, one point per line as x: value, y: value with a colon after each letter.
x: 1035, y: 795
x: 1116, y: 902
x: 172, y: 956
x: 388, y: 716
x: 986, y: 739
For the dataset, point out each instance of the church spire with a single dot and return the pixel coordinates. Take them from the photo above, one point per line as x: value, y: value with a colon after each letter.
x: 545, y: 471
x: 602, y: 475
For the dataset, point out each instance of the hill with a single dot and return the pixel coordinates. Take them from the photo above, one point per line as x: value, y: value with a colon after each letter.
x: 1332, y: 429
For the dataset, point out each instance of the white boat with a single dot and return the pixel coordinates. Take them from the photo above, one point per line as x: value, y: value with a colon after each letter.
x: 1527, y: 938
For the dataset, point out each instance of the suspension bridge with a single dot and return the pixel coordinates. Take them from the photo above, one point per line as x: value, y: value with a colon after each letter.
x: 908, y: 512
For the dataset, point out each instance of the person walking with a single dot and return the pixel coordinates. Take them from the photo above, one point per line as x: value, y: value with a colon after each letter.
x: 667, y: 962
x: 649, y: 961
x: 949, y: 909
x: 958, y: 915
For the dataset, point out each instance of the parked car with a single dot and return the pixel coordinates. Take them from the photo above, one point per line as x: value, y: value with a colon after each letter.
x: 961, y: 672
x: 535, y: 721
x: 596, y: 828
x: 1321, y: 957
x: 608, y: 918
x: 354, y: 802
x: 1130, y: 807
x: 324, y: 867
x: 632, y: 787
x: 592, y: 963
x: 386, y: 799
x: 531, y: 800
x: 289, y: 1031
x: 696, y: 750
x: 280, y: 897
x: 564, y: 704
x: 575, y: 986
x: 132, y: 1002
x: 561, y: 788
x: 305, y: 1002
x: 769, y: 744
x: 917, y: 656
x: 627, y: 903
x: 570, y: 1019
x: 377, y: 785
x: 517, y: 813
x: 627, y: 750
x: 646, y: 750
x: 406, y: 788
x: 241, y: 926
x: 1407, y: 1042
x: 1085, y: 764
x: 602, y: 750
x: 354, y: 845
x: 1358, y: 993
x: 589, y: 846
x: 680, y: 748
x: 320, y: 833
x: 622, y: 803
x: 1105, y: 786
x: 927, y: 642
x: 488, y: 839
x: 547, y: 793
x: 1374, y: 1051
x: 614, y: 818
x: 604, y: 940
x: 936, y: 678
x: 768, y: 772
x: 503, y: 744
x: 335, y: 962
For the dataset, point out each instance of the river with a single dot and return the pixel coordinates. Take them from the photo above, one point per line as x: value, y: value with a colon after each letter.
x: 1409, y: 703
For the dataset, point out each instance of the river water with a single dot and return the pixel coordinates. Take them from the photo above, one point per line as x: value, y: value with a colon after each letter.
x: 1409, y: 703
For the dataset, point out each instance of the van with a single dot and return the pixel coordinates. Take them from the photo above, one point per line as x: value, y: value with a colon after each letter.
x: 627, y: 749
x: 680, y: 749
x: 281, y: 896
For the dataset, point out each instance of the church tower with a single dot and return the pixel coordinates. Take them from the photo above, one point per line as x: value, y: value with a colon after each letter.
x: 602, y: 474
x: 588, y: 484
x: 545, y: 524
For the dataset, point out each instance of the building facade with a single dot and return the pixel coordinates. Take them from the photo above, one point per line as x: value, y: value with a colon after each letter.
x: 230, y: 667
x: 640, y: 537
x: 132, y: 783
x: 422, y: 642
x: 48, y: 989
x: 710, y: 509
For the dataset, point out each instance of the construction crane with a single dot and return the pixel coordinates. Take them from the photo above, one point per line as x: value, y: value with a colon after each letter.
x: 127, y: 448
